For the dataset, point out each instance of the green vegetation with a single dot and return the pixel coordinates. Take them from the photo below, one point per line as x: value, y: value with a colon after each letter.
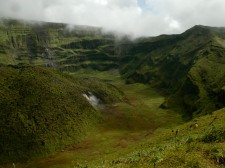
x: 55, y: 45
x: 188, y: 147
x: 43, y: 111
x: 124, y: 126
x: 188, y: 67
x: 162, y: 140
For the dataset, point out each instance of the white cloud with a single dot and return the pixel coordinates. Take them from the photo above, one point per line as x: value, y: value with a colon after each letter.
x: 173, y: 24
x: 146, y: 17
x: 101, y: 2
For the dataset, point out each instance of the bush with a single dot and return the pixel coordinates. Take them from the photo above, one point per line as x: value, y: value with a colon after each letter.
x: 214, y: 135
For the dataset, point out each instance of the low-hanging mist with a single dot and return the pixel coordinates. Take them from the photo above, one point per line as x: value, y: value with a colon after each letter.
x: 134, y: 17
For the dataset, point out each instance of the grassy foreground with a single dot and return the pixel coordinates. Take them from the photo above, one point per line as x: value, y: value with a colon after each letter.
x: 137, y: 133
x: 125, y: 126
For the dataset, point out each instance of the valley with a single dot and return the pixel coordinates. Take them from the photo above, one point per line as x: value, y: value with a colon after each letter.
x: 160, y: 100
x: 124, y: 126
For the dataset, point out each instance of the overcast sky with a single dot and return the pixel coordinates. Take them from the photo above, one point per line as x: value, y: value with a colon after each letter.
x: 136, y: 17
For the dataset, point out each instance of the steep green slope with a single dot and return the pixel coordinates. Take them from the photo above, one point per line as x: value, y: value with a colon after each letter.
x: 190, y: 67
x: 43, y: 111
x: 56, y: 45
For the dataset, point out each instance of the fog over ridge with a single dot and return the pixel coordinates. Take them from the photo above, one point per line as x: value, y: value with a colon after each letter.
x: 134, y: 17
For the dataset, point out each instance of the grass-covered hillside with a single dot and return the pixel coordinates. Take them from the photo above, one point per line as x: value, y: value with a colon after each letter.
x: 189, y: 67
x: 42, y: 111
x: 196, y: 144
x: 63, y: 47
x: 139, y: 134
x: 75, y: 111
